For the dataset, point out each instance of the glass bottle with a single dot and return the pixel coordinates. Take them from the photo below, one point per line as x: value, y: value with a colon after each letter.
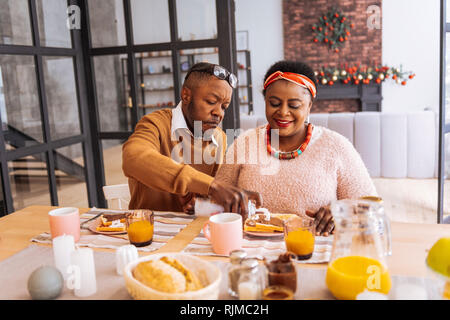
x: 250, y: 284
x: 236, y: 257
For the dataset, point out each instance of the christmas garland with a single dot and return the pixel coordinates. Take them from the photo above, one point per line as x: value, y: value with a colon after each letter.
x: 364, y: 75
x: 332, y: 29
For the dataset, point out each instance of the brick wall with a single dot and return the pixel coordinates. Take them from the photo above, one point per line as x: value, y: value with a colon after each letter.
x: 363, y: 45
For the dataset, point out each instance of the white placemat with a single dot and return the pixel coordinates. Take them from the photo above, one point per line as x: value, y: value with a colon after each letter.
x: 264, y: 247
x: 166, y: 226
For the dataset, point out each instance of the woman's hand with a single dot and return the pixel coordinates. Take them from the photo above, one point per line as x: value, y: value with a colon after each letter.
x: 187, y: 202
x: 323, y: 220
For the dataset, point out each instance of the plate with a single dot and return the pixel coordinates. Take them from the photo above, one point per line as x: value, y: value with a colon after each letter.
x: 264, y: 234
x: 92, y: 226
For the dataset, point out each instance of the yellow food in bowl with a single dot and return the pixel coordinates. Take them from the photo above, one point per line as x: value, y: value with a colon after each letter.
x: 167, y: 275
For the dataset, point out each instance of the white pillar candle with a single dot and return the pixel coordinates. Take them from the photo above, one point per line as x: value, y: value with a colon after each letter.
x: 83, y: 259
x: 124, y: 255
x: 63, y: 246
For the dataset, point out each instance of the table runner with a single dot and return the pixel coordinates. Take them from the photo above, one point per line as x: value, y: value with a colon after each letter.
x: 15, y: 270
x: 269, y: 247
x: 166, y: 226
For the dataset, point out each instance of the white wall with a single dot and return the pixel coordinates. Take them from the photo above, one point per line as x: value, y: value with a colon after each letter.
x: 410, y: 36
x: 263, y: 21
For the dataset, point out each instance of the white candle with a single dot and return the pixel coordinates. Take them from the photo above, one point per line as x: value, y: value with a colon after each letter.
x: 248, y: 291
x: 84, y: 260
x: 124, y: 255
x: 63, y: 246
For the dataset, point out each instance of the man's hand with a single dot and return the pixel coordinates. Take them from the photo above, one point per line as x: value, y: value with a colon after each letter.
x: 233, y: 199
x: 187, y: 202
x: 323, y: 220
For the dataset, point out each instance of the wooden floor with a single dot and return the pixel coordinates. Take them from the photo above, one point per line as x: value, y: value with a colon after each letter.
x: 405, y: 200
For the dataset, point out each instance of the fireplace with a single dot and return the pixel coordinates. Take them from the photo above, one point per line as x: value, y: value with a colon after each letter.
x: 348, y: 98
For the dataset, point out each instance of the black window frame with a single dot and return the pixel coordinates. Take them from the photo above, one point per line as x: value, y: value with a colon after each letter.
x: 49, y: 146
x: 444, y: 128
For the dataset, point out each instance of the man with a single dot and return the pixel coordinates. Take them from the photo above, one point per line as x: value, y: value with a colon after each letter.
x: 168, y: 157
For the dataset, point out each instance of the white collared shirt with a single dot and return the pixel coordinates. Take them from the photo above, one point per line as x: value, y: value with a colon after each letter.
x: 179, y: 124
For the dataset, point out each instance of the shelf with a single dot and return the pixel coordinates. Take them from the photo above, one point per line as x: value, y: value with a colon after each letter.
x: 149, y: 106
x: 155, y: 90
x: 181, y: 54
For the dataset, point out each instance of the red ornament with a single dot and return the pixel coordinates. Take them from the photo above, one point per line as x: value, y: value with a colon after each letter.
x: 352, y: 25
x: 325, y: 40
x: 394, y: 76
x: 336, y: 15
x: 403, y: 83
x: 336, y: 50
x: 356, y: 81
x: 313, y: 27
x: 378, y: 80
x: 330, y: 83
x: 316, y: 40
x: 411, y: 76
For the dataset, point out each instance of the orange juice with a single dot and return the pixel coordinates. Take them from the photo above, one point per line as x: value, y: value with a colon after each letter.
x: 300, y: 242
x: 446, y: 293
x: 349, y: 276
x: 140, y: 233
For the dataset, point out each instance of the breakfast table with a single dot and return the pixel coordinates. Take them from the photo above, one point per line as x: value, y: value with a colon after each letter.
x: 410, y: 244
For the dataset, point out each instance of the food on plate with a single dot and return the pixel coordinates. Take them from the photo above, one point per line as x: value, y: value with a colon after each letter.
x: 112, y: 223
x: 168, y: 275
x: 258, y: 222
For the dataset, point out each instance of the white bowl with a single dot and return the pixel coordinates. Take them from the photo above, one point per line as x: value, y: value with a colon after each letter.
x: 208, y: 274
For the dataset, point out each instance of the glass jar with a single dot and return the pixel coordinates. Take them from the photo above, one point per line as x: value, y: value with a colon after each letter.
x: 250, y: 283
x: 236, y: 258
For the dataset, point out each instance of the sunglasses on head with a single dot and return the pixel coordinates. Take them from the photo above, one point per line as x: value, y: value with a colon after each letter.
x: 217, y: 71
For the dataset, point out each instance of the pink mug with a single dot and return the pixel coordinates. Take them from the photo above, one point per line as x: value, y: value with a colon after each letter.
x: 224, y: 231
x: 65, y: 221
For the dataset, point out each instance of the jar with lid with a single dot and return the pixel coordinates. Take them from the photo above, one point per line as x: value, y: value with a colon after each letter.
x: 251, y: 280
x: 236, y: 258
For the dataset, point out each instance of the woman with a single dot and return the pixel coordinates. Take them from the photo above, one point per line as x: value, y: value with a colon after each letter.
x: 309, y: 167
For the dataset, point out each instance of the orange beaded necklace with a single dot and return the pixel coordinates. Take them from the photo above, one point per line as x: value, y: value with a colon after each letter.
x: 290, y: 154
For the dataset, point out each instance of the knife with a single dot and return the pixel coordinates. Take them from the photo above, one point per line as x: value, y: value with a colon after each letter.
x: 93, y: 218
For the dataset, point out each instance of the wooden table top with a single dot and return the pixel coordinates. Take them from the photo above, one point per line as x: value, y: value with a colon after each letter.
x: 410, y: 241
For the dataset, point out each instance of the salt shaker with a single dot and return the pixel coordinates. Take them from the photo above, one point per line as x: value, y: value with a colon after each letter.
x: 236, y: 258
x: 206, y: 208
x: 125, y: 255
x: 250, y: 284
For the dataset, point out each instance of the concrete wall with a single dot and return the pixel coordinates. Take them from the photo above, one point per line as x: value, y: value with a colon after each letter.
x: 263, y: 21
x: 411, y: 38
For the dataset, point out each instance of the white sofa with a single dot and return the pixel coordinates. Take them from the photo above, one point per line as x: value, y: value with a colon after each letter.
x: 392, y: 145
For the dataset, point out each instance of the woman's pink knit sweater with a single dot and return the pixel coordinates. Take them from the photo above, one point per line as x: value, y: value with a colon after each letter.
x: 330, y: 168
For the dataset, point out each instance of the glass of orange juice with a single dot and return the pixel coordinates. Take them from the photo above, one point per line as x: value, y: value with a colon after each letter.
x: 299, y: 236
x: 140, y: 225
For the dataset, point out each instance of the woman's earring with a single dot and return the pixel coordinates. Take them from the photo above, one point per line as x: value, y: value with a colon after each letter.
x: 307, y: 119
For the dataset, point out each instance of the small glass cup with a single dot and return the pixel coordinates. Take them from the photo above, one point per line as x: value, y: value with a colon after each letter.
x: 299, y: 237
x: 140, y: 225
